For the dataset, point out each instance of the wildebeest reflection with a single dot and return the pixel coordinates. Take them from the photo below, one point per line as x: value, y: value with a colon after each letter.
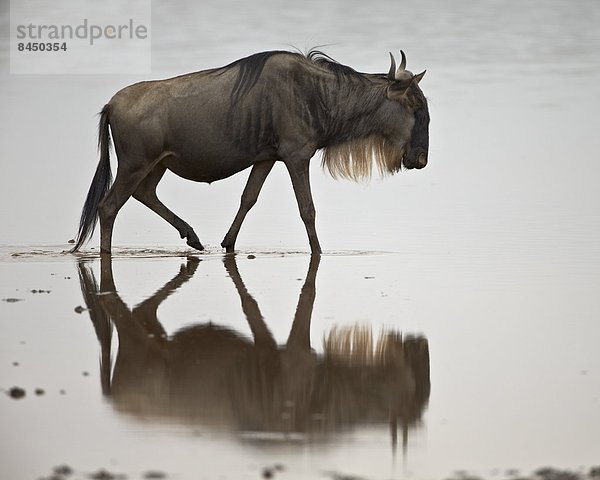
x: 272, y: 106
x: 208, y: 374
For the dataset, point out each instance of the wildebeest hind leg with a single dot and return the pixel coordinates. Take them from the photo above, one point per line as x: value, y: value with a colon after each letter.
x: 123, y: 187
x: 257, y: 177
x: 146, y: 194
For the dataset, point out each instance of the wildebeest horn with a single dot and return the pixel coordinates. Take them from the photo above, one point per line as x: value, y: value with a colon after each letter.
x: 392, y: 71
x: 402, y: 73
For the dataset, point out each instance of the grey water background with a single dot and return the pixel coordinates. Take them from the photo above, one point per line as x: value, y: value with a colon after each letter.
x: 494, y: 247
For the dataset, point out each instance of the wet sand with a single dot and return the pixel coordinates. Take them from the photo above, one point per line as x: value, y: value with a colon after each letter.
x: 64, y: 472
x: 119, y: 371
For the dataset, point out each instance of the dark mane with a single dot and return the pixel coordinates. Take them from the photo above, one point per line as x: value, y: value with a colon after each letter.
x: 250, y: 69
x: 341, y: 71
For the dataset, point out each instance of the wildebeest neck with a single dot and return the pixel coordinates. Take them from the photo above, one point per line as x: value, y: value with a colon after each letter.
x: 351, y: 109
x: 330, y: 102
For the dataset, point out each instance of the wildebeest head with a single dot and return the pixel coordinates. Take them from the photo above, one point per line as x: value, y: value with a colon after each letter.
x: 394, y: 131
x: 409, y: 106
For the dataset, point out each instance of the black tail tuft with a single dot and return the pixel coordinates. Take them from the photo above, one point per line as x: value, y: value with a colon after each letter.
x: 100, y: 184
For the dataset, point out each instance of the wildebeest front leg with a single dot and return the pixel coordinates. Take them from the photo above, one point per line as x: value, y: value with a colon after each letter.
x: 254, y: 184
x: 301, y: 182
x: 146, y: 194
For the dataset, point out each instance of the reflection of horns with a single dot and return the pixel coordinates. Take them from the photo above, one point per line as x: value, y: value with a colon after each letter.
x: 394, y: 434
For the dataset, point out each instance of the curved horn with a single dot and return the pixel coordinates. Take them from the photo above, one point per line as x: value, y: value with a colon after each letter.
x: 402, y: 74
x: 392, y: 71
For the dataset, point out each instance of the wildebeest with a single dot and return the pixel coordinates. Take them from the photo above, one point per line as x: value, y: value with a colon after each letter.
x: 210, y: 375
x: 268, y: 107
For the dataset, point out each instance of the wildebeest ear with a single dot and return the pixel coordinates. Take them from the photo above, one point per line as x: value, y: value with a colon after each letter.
x: 419, y: 76
x: 397, y: 89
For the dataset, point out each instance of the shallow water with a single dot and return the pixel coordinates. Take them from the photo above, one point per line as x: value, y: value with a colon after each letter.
x: 513, y: 371
x: 491, y: 253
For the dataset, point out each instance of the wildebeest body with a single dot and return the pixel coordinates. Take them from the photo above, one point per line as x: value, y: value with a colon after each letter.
x: 272, y: 106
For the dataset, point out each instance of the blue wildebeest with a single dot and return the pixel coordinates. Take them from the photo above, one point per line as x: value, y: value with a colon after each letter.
x: 268, y: 107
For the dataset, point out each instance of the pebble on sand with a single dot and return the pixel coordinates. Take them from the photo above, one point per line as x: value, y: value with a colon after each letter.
x: 16, y: 393
x: 267, y: 473
x: 63, y: 470
x: 155, y: 475
x: 104, y: 475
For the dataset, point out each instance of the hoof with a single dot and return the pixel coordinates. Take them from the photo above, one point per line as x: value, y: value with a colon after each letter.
x: 195, y: 243
x: 229, y: 248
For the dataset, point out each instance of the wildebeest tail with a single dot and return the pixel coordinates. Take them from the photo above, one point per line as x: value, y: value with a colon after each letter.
x: 100, y: 183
